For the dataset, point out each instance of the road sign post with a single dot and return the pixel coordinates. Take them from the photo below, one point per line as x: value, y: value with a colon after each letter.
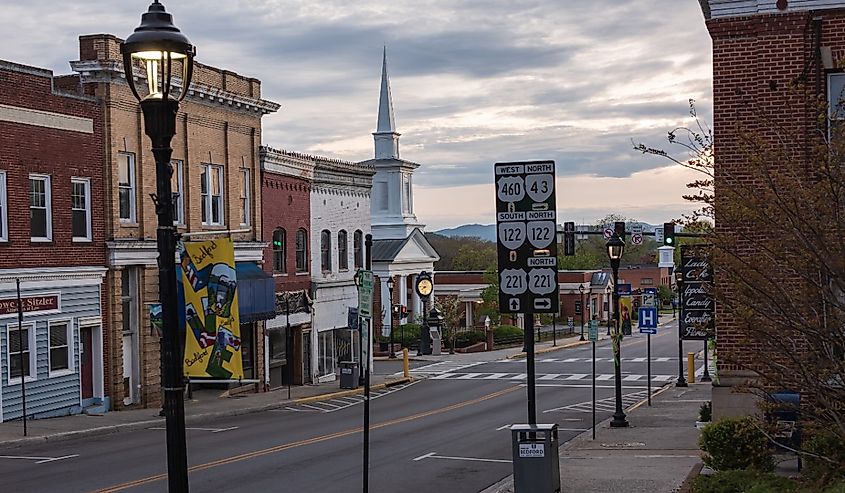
x: 526, y: 226
x: 647, y: 316
x: 593, y: 337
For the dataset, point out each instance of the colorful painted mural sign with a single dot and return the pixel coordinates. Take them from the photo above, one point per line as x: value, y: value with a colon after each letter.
x: 212, y: 335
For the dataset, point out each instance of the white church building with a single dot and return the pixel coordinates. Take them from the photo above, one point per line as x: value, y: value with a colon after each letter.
x: 400, y: 249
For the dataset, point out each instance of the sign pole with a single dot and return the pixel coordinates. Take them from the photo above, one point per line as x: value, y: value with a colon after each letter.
x: 20, y: 354
x: 648, y: 358
x: 368, y: 242
x: 532, y: 390
x: 594, y: 389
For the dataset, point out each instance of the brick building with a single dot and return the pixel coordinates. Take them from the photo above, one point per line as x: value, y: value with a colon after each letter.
x: 52, y: 240
x: 760, y: 48
x: 215, y: 169
x: 286, y: 181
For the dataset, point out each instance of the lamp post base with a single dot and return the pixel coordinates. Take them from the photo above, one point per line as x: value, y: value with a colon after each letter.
x: 619, y: 420
x: 681, y: 383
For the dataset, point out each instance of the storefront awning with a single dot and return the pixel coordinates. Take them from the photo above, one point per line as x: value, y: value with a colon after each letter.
x: 256, y: 293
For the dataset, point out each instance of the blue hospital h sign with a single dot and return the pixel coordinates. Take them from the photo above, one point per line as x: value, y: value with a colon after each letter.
x: 648, y: 318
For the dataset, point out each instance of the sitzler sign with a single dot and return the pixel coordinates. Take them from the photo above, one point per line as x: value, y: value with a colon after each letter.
x: 30, y: 304
x: 526, y: 225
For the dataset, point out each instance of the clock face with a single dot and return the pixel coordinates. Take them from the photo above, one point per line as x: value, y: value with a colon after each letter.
x: 424, y: 287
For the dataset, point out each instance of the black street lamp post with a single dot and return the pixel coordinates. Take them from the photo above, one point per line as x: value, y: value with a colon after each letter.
x: 615, y: 249
x: 161, y: 48
x: 390, y: 282
x: 679, y: 282
x: 581, y: 290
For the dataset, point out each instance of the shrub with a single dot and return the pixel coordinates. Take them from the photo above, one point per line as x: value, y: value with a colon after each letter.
x: 735, y: 443
x: 468, y: 338
x: 820, y: 471
x: 742, y: 481
x: 507, y: 333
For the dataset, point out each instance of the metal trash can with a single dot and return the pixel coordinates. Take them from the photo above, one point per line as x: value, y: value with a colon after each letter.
x: 348, y: 375
x: 536, y: 464
x: 785, y: 415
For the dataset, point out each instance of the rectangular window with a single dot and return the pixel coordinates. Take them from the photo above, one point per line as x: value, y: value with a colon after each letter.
x: 646, y: 281
x: 245, y: 205
x: 342, y: 250
x: 4, y: 220
x: 177, y: 189
x: 61, y: 356
x: 126, y: 186
x: 40, y: 209
x: 211, y: 188
x: 80, y: 199
x: 301, y: 251
x: 380, y: 195
x: 19, y: 356
x: 406, y: 194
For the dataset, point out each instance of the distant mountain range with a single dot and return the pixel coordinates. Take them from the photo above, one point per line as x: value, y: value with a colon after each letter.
x: 488, y: 231
x: 483, y: 231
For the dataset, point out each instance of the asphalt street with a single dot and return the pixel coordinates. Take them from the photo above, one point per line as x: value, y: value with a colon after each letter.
x: 446, y: 432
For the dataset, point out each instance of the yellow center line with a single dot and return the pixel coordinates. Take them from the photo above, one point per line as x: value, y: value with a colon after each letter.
x: 308, y: 441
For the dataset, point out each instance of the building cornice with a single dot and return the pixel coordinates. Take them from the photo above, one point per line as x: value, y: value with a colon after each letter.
x: 716, y: 9
x: 134, y: 252
x: 109, y: 71
x: 39, y: 274
x: 287, y: 163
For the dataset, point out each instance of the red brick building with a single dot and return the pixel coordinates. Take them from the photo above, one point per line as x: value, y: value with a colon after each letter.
x: 760, y: 48
x: 52, y: 240
x: 286, y: 185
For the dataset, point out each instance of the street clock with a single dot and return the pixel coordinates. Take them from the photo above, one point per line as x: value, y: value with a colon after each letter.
x: 424, y: 285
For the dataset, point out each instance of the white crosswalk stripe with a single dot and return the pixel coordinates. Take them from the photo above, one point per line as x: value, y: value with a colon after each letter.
x: 607, y: 404
x: 547, y: 377
x: 661, y: 359
x: 439, y: 368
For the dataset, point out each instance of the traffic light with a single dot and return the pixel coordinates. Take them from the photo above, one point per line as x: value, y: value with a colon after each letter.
x: 619, y: 229
x: 569, y: 239
x: 669, y: 234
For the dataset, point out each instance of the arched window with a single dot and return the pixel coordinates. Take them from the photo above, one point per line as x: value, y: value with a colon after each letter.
x: 342, y: 250
x: 280, y: 248
x: 358, y: 248
x: 326, y: 251
x: 301, y: 251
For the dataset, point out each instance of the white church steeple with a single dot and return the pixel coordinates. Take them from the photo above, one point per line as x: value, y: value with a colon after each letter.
x: 386, y: 138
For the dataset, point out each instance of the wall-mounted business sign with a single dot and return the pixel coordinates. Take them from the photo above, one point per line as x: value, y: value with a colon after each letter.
x: 698, y: 316
x: 31, y: 304
x: 526, y: 225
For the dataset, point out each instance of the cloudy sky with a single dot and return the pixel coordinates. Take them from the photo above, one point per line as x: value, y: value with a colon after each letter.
x: 474, y: 82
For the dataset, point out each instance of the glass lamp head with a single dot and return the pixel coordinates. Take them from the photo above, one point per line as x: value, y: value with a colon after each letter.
x: 159, y: 47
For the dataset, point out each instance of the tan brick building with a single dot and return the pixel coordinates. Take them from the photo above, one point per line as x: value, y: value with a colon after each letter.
x: 216, y: 175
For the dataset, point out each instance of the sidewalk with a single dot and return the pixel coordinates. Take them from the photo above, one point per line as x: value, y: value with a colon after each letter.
x: 656, y: 453
x: 206, y: 404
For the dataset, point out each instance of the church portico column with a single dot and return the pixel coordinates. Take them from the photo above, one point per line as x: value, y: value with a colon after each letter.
x: 385, y: 307
x: 468, y: 313
x: 415, y: 298
x: 403, y: 292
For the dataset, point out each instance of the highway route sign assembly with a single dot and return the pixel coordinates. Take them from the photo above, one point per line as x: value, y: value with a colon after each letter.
x: 526, y: 226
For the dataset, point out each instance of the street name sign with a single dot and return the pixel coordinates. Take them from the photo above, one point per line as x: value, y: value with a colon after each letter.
x: 526, y: 227
x: 365, y: 294
x: 698, y: 308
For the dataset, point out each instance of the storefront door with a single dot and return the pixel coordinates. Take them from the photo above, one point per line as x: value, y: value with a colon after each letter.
x: 86, y: 362
x: 306, y: 357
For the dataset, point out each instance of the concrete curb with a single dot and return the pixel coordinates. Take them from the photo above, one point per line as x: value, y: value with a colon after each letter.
x: 189, y: 419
